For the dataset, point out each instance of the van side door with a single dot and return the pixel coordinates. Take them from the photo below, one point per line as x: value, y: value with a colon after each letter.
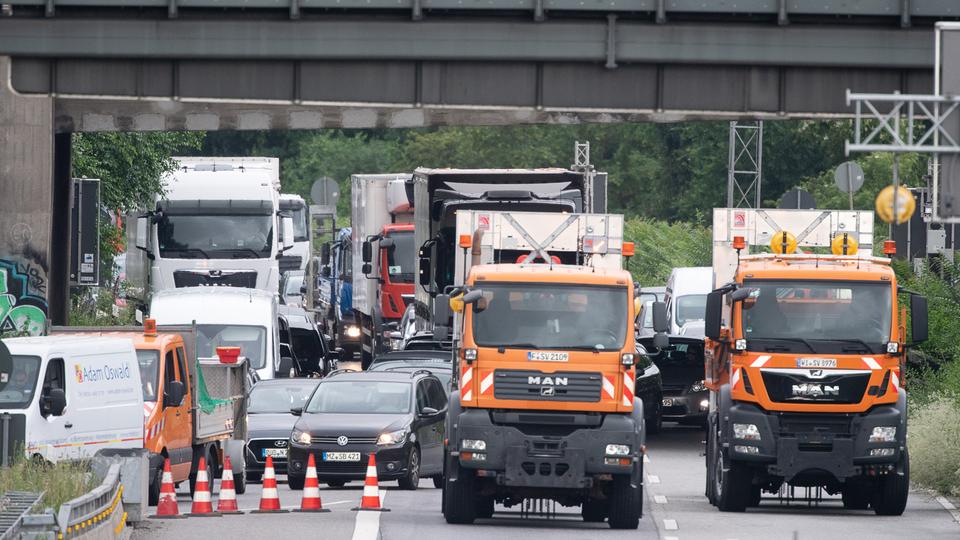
x: 56, y: 429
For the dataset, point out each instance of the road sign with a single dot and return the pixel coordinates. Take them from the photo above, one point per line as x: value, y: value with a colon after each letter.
x: 848, y: 177
x: 797, y: 199
x: 325, y: 192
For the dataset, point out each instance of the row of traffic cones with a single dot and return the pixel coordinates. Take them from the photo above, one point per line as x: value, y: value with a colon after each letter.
x: 269, y: 500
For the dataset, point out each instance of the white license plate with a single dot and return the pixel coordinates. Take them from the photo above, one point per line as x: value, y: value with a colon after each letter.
x: 667, y: 402
x: 341, y: 456
x: 538, y: 356
x: 816, y: 362
x: 275, y: 452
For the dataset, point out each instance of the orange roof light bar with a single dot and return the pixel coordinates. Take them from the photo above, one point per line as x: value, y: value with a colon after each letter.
x: 628, y: 249
x: 466, y: 241
x: 739, y: 243
x: 150, y: 327
x: 889, y: 247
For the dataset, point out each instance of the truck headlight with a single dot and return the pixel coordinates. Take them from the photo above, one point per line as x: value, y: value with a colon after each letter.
x: 476, y: 445
x: 353, y: 331
x: 883, y: 434
x: 893, y: 347
x: 627, y: 359
x: 618, y: 450
x: 747, y: 432
x: 698, y: 386
x: 469, y: 355
x: 300, y: 437
x: 394, y: 437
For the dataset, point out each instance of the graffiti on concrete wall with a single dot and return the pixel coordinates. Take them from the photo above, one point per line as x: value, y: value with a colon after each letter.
x: 23, y: 304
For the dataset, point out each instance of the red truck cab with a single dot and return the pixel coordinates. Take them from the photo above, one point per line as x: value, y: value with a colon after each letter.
x: 397, y: 264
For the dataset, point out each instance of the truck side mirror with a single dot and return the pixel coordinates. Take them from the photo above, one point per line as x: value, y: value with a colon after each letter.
x: 143, y: 232
x: 54, y: 402
x: 287, y: 223
x: 325, y: 271
x: 173, y: 394
x: 325, y: 255
x: 367, y: 269
x: 711, y: 322
x: 918, y: 318
x: 660, y: 321
x: 297, y: 411
x: 367, y: 252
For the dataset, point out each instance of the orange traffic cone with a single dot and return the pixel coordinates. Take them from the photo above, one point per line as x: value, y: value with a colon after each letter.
x: 311, y: 490
x: 167, y: 505
x: 202, y: 505
x: 227, y: 504
x: 371, y: 490
x: 269, y: 499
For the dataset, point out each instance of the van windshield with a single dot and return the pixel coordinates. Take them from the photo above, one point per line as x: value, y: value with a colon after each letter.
x: 691, y: 307
x: 18, y: 385
x: 252, y: 341
x: 223, y: 236
x: 149, y: 361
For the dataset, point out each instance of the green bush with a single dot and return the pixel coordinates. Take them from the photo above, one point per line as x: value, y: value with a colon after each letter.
x: 934, y: 442
x: 59, y: 482
x: 661, y: 247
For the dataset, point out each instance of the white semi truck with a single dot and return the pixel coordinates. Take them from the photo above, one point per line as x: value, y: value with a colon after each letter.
x: 218, y: 223
x: 297, y: 257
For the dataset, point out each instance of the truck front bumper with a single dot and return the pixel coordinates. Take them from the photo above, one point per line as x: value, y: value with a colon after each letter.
x: 518, y: 456
x: 793, y: 444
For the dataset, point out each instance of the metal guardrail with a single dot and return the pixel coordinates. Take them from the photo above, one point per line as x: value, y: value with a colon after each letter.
x: 96, y: 509
x: 14, y: 505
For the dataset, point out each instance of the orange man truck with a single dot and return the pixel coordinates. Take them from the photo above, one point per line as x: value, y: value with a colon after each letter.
x: 545, y: 407
x: 186, y: 413
x: 804, y: 361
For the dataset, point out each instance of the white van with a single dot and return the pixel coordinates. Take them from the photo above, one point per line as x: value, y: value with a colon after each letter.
x: 686, y: 298
x: 245, y: 318
x: 68, y: 397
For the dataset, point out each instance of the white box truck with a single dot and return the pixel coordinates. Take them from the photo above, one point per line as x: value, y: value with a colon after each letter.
x: 218, y: 223
x: 384, y: 255
x: 66, y: 397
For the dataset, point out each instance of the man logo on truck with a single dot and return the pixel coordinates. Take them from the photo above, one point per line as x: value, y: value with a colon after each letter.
x: 807, y: 390
x: 548, y: 381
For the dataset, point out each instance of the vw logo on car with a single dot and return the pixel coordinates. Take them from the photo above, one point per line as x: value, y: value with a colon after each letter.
x: 343, y: 440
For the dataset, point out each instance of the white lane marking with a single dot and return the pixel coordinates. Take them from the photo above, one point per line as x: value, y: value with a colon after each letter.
x: 671, y: 538
x: 949, y: 507
x: 646, y: 458
x: 653, y: 479
x: 660, y: 499
x: 368, y: 523
x: 335, y: 502
x: 671, y: 525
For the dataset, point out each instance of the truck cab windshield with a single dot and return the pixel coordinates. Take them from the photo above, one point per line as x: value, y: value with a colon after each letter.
x: 252, y: 341
x: 215, y: 236
x: 821, y: 317
x: 552, y: 316
x: 18, y: 386
x: 401, y: 257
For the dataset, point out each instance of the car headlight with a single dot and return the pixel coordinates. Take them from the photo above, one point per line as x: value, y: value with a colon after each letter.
x: 353, y: 331
x: 393, y: 437
x: 300, y: 437
x: 698, y: 386
x: 476, y: 445
x: 883, y: 434
x: 618, y: 450
x: 747, y: 432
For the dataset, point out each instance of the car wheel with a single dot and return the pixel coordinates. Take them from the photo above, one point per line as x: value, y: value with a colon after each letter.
x: 411, y: 480
x: 337, y: 483
x: 240, y: 483
x: 296, y: 482
x: 624, y: 503
x: 438, y: 481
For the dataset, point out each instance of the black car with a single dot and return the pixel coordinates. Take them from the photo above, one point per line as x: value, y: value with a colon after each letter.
x: 269, y: 422
x: 440, y: 370
x: 685, y: 398
x: 649, y: 389
x: 399, y: 417
x: 304, y: 351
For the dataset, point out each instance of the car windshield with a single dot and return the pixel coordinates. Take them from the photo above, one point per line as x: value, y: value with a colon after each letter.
x: 232, y: 236
x: 400, y: 258
x: 827, y: 317
x: 293, y: 285
x: 551, y: 316
x: 691, y: 307
x: 361, y: 397
x: 647, y: 315
x: 149, y: 361
x: 18, y: 385
x: 252, y: 341
x: 279, y: 398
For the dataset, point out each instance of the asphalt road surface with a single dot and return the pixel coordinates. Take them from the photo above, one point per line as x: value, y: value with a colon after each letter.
x: 675, y: 508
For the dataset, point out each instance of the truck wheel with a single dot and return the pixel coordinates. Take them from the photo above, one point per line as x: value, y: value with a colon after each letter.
x: 485, y: 507
x: 459, y: 499
x: 593, y: 511
x: 153, y: 492
x: 624, y: 503
x: 890, y: 498
x: 710, y: 489
x: 411, y: 480
x: 731, y: 487
x: 193, y: 475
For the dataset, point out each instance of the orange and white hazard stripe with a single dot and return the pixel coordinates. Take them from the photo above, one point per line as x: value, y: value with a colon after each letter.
x: 628, y: 389
x: 486, y: 384
x: 609, y: 386
x: 466, y: 384
x: 735, y: 379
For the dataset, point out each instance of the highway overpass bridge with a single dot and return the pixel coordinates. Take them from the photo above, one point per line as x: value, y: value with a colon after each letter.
x: 142, y: 65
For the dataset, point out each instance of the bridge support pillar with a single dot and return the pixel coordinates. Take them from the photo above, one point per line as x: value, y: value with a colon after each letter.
x: 26, y: 207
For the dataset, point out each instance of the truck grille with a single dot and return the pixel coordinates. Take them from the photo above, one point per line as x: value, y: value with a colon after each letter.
x: 189, y: 278
x: 798, y: 424
x: 540, y: 386
x: 290, y: 262
x: 796, y: 387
